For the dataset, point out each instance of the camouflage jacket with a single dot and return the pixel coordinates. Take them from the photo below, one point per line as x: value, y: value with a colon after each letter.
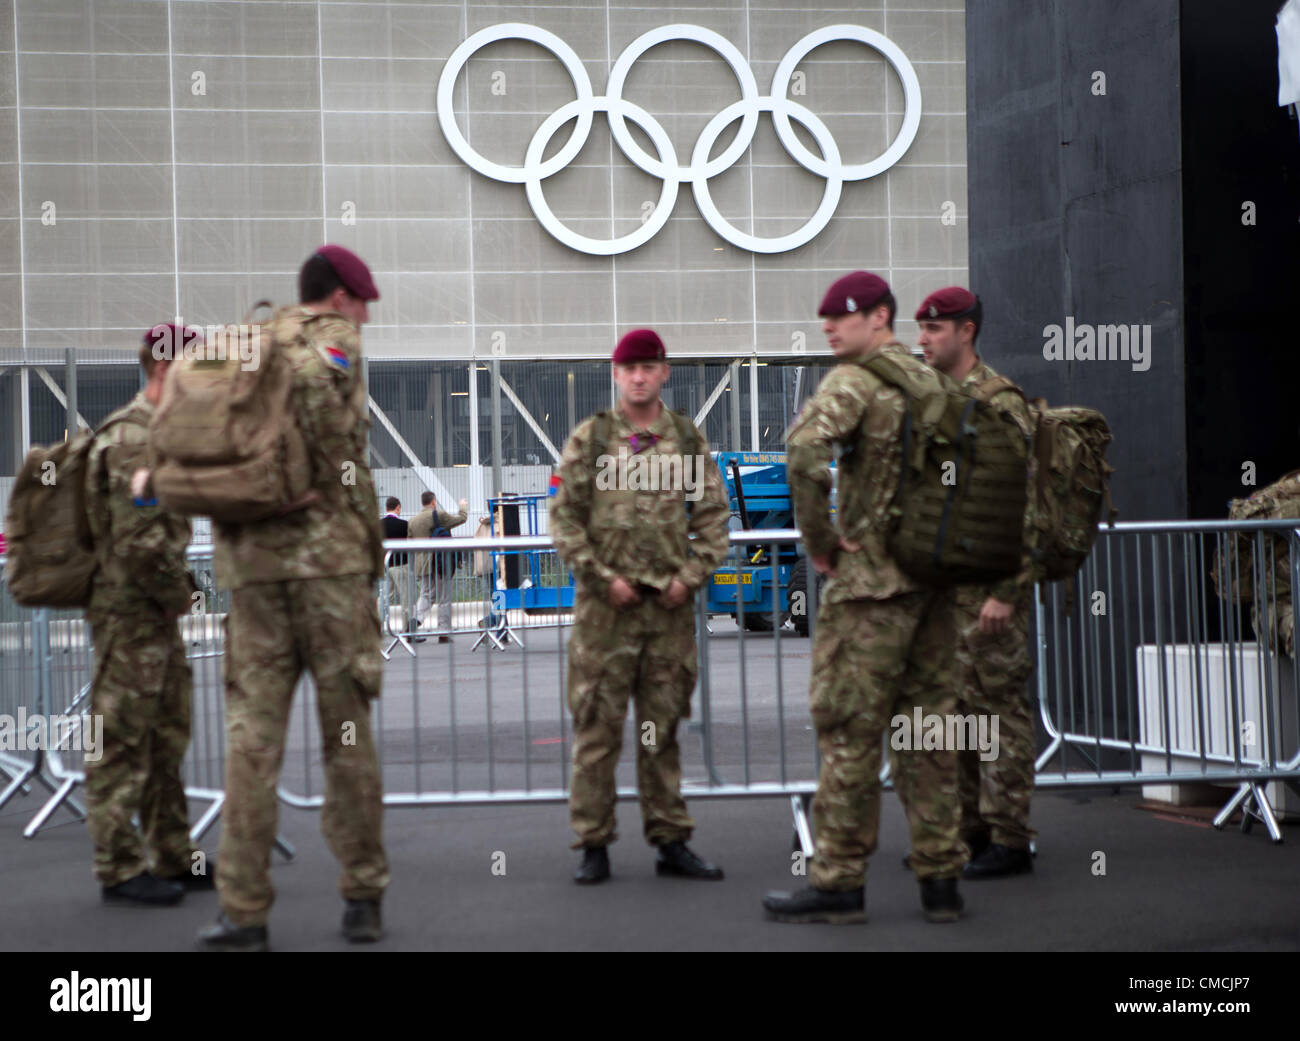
x: 1014, y: 590
x: 422, y: 524
x: 852, y: 409
x: 609, y: 523
x: 340, y: 534
x: 140, y: 547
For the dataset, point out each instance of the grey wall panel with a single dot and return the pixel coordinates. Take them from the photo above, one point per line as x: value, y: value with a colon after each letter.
x: 384, y: 31
x: 275, y: 246
x: 103, y: 26
x: 308, y: 110
x: 95, y: 80
x: 275, y: 81
x: 96, y: 136
x: 1075, y: 205
x: 258, y: 28
x: 79, y: 246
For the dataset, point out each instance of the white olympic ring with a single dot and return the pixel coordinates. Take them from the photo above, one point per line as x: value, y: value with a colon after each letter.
x: 828, y: 165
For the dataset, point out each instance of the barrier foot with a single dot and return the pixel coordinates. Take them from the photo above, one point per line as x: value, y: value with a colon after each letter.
x: 1048, y: 752
x: 20, y: 779
x: 1261, y: 811
x: 42, y: 815
x: 803, y: 840
x: 209, y: 818
x: 396, y: 640
x: 285, y: 847
x: 1221, y: 818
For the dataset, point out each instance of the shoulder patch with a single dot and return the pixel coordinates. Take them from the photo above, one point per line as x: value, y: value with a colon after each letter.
x: 554, y: 485
x: 338, y: 356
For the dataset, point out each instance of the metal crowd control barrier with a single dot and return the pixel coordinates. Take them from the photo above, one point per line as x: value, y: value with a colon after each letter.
x: 456, y: 729
x: 1150, y: 678
x: 1155, y: 678
x: 49, y: 657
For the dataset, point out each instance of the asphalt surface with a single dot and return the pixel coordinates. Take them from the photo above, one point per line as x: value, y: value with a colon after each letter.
x: 1169, y: 885
x: 497, y: 877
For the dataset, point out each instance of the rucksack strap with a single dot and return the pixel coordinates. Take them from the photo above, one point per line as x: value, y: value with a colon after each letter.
x: 987, y: 390
x: 603, y: 430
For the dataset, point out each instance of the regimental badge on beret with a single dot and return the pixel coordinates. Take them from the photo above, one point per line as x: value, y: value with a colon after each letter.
x: 934, y: 311
x: 850, y: 304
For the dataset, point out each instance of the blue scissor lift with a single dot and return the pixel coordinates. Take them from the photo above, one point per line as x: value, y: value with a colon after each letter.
x: 531, y: 580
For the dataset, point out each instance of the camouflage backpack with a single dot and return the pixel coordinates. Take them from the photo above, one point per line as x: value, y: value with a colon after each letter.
x: 1071, y: 481
x: 50, y: 556
x: 958, y: 514
x: 1233, y: 570
x: 223, y: 442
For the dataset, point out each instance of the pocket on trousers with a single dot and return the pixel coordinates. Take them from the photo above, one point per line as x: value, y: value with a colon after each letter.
x: 367, y: 667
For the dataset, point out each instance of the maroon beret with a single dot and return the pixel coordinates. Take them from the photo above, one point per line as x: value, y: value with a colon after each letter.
x: 352, y: 271
x: 168, y: 340
x: 856, y: 291
x: 640, y: 345
x: 950, y: 302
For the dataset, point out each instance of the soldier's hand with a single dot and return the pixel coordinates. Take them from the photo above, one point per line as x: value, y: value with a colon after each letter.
x: 622, y: 594
x: 825, y: 565
x: 995, y: 616
x: 464, y: 504
x: 675, y: 595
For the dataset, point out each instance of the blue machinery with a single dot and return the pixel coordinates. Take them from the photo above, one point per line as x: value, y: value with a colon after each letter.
x: 759, y: 496
x: 529, y: 579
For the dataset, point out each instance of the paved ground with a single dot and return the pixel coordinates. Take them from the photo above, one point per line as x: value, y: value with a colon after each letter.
x: 1168, y: 886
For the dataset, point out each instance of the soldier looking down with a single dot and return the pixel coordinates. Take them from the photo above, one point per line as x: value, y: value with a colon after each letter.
x: 884, y: 642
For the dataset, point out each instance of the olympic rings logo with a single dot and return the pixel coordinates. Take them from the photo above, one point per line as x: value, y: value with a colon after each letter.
x: 829, y: 164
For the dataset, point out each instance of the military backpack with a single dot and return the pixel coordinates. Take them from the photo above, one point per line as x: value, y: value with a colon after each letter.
x: 223, y: 441
x: 50, y: 556
x: 958, y: 513
x: 1235, y: 569
x: 1071, y: 482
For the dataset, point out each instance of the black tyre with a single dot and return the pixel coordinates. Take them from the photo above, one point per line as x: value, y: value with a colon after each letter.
x: 799, y: 585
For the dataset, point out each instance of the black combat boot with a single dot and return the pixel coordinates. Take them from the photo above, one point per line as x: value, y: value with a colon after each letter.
x: 225, y: 935
x: 940, y: 899
x: 846, y: 907
x: 362, y: 922
x: 676, y: 858
x: 144, y: 888
x: 594, y: 867
x: 998, y: 861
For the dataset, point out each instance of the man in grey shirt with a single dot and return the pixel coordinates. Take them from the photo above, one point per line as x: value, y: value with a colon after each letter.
x: 435, y: 578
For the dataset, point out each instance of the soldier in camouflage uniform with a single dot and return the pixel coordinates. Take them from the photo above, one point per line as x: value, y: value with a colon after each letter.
x: 302, y: 596
x: 141, y: 684
x: 883, y: 642
x: 634, y: 623
x: 993, y: 664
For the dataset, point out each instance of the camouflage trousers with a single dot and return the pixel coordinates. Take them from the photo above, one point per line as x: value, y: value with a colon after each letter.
x: 274, y: 631
x: 874, y: 660
x: 141, y: 687
x: 647, y: 654
x: 992, y: 674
